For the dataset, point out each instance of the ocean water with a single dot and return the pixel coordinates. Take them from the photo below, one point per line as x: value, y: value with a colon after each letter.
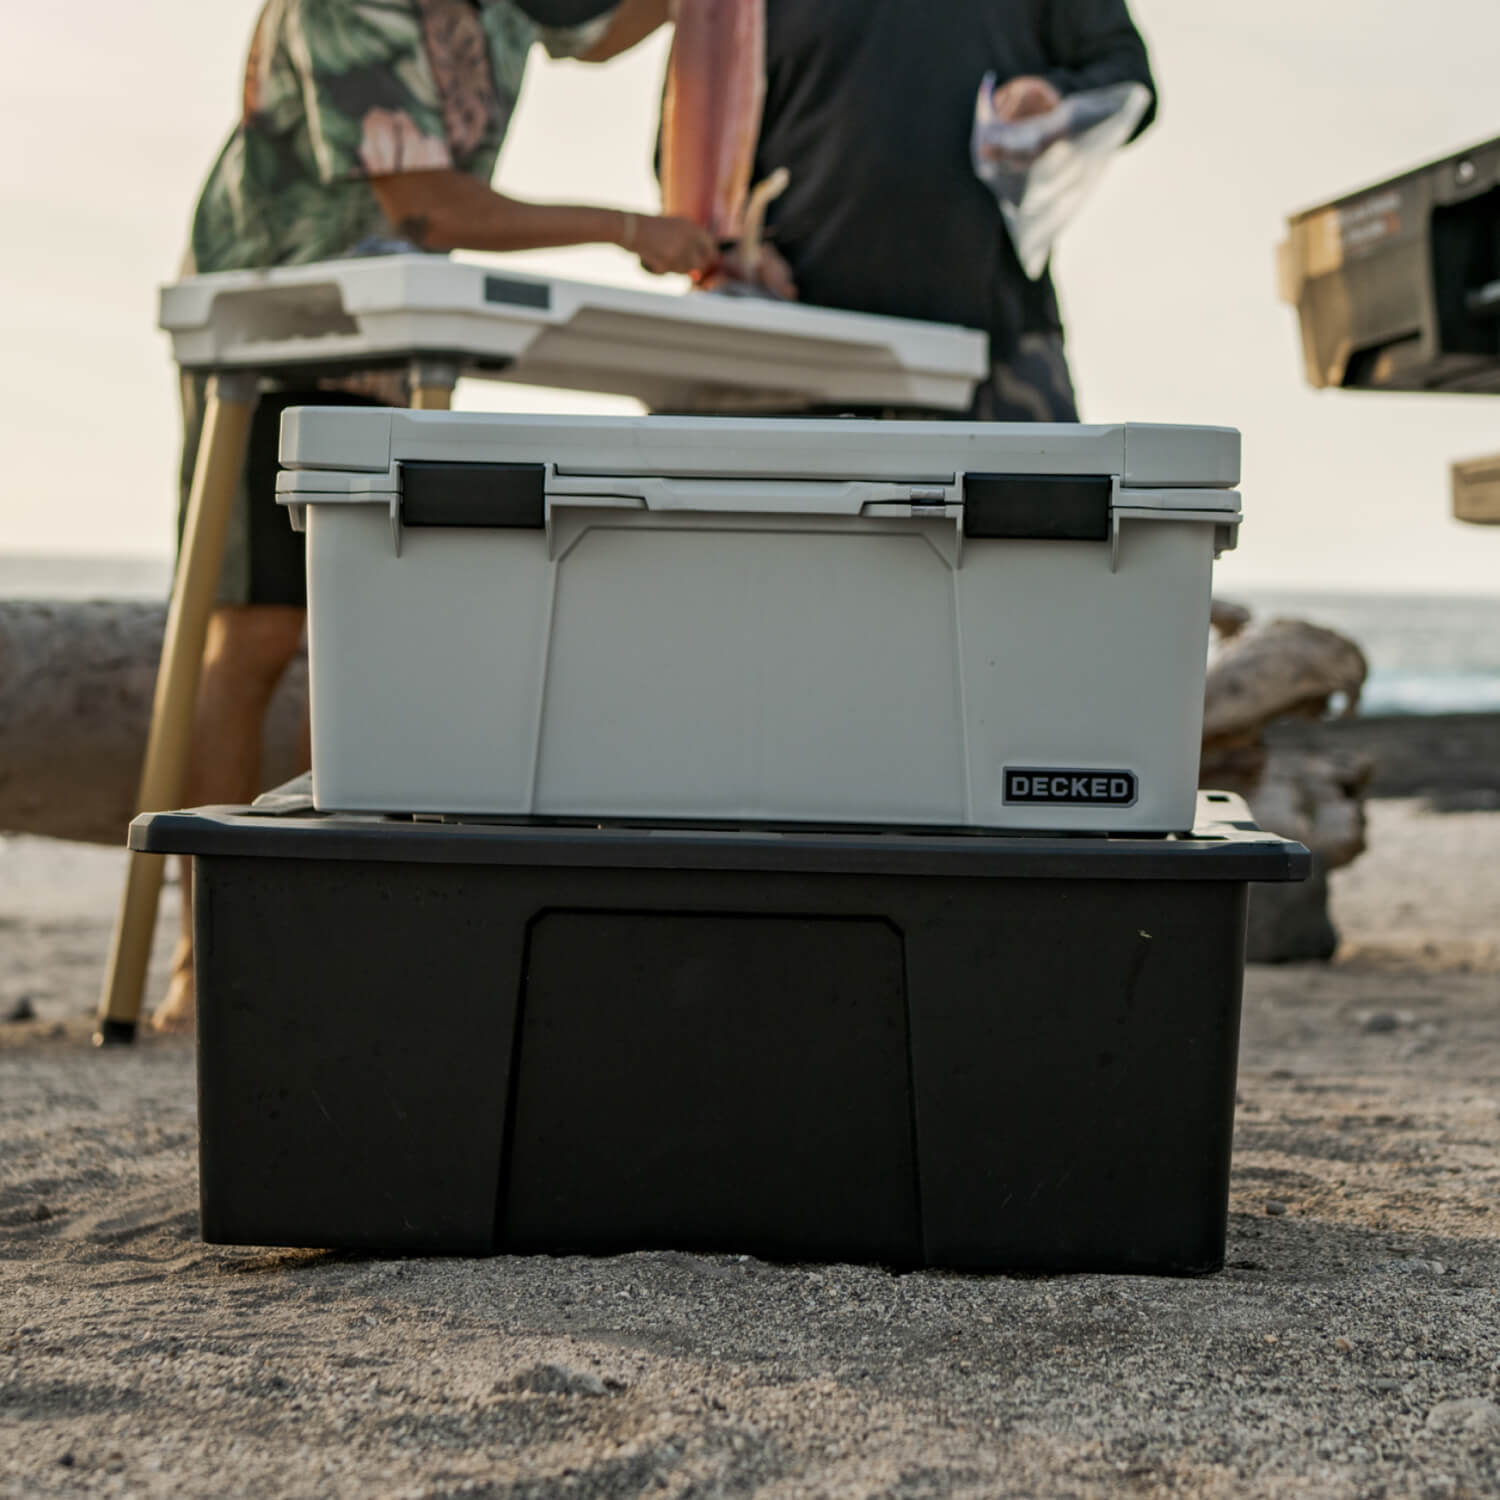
x: 1427, y: 654
x: 26, y: 577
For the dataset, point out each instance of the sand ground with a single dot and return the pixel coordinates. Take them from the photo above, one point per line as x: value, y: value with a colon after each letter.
x: 1351, y: 1347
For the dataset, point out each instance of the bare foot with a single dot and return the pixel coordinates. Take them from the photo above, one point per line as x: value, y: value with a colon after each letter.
x: 176, y: 1013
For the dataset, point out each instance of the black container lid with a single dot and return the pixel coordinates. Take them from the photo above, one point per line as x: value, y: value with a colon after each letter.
x: 1225, y: 845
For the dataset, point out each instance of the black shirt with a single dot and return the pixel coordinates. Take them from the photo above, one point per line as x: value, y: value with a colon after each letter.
x: 869, y: 105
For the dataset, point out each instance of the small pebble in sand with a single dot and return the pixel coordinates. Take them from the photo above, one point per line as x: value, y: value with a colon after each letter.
x: 1382, y: 1020
x: 1415, y: 1265
x: 1343, y: 1345
x: 558, y: 1380
x: 1275, y: 1207
x: 1471, y: 1414
x: 41, y: 1213
x: 22, y: 1010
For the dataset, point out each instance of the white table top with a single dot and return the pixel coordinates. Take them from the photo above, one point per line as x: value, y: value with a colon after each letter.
x: 697, y: 352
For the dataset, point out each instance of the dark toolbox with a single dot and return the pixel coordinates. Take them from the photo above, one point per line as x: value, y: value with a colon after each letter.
x: 1398, y: 286
x: 964, y: 1050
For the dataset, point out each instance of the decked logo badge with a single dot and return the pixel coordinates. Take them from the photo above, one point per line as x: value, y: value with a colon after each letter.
x: 1054, y: 786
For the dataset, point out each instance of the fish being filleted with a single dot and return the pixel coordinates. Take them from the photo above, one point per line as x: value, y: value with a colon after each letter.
x: 711, y: 112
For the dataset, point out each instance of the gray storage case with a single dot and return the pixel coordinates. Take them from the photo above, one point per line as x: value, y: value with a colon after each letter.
x: 829, y: 622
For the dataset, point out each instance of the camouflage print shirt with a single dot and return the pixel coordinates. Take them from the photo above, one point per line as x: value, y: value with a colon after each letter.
x: 338, y: 91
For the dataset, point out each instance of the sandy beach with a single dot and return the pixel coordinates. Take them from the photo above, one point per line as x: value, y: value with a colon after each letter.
x: 1351, y: 1347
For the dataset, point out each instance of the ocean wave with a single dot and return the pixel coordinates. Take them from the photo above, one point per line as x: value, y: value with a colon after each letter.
x: 1431, y: 693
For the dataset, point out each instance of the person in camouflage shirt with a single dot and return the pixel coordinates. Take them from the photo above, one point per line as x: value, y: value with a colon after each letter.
x: 338, y: 94
x: 365, y: 125
x: 343, y: 97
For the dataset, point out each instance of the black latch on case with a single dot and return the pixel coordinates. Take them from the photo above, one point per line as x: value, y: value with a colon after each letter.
x: 512, y: 496
x: 1038, y: 507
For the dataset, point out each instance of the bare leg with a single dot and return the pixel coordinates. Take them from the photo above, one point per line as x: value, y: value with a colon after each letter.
x: 248, y: 649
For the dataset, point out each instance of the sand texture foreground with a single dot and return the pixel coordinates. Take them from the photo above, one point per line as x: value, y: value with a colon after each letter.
x: 1351, y: 1348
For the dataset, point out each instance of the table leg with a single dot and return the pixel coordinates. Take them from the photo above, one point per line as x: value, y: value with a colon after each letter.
x: 432, y: 383
x: 221, y: 455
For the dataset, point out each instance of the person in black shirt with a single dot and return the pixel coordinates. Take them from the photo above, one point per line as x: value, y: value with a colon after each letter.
x: 869, y: 105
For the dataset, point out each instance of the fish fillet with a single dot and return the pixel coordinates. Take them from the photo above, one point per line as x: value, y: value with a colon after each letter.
x: 716, y: 83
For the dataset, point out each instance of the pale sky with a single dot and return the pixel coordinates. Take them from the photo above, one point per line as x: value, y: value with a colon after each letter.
x: 112, y: 113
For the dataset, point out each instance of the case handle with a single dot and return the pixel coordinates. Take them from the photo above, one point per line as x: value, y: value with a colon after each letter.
x: 803, y: 497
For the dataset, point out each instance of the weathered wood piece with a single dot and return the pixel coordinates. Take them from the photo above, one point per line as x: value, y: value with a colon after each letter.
x: 76, y: 681
x: 1279, y: 669
x: 76, y: 685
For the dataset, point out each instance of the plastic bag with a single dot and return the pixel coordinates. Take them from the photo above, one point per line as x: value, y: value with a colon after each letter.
x: 1042, y: 169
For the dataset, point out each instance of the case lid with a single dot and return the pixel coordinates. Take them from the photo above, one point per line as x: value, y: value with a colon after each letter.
x: 674, y: 352
x: 1225, y: 845
x: 375, y: 440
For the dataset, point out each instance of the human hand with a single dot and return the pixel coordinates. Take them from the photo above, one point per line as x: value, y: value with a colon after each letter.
x: 668, y: 244
x: 1022, y: 98
x: 768, y: 270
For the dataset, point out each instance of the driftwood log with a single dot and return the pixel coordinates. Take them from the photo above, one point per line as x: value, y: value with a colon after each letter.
x: 1278, y: 669
x: 1228, y: 619
x: 1284, y: 669
x: 1279, y: 672
x: 76, y: 683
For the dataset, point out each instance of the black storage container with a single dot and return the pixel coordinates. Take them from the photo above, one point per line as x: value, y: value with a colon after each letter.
x: 1398, y: 286
x: 968, y: 1051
